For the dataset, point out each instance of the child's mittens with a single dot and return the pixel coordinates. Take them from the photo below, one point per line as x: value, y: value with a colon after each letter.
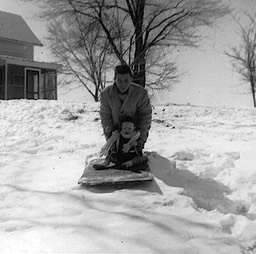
x: 127, y: 164
x: 127, y: 147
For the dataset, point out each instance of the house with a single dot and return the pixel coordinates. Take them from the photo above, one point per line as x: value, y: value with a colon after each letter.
x: 20, y: 76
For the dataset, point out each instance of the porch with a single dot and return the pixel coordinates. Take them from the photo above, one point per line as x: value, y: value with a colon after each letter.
x: 27, y: 79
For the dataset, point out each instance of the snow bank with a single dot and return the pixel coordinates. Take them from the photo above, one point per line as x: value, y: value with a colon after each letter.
x: 202, y: 199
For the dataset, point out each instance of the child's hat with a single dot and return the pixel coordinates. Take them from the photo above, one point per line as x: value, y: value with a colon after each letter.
x: 126, y: 118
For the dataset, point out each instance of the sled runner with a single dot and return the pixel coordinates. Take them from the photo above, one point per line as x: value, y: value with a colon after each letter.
x: 111, y: 175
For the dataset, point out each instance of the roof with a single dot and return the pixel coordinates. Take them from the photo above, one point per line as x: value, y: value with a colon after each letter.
x: 14, y: 27
x: 29, y: 63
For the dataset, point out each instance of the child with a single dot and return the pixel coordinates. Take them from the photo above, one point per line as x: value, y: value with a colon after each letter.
x: 121, y: 147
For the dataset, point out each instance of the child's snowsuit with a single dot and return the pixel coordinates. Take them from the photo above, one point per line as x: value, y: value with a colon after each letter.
x: 117, y: 156
x: 114, y: 150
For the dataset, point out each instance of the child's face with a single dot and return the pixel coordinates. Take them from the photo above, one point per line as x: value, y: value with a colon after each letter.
x: 127, y: 129
x: 123, y: 82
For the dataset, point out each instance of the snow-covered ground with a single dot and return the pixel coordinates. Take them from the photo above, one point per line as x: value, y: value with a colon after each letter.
x: 204, y: 204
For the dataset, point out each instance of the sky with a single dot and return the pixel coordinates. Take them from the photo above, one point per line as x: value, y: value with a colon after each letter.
x: 209, y: 79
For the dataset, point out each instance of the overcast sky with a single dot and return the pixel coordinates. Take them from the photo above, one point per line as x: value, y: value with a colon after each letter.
x: 209, y: 78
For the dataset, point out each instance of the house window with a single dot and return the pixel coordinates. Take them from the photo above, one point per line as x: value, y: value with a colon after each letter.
x: 2, y: 82
x: 15, y: 82
x: 48, y: 86
x: 32, y: 83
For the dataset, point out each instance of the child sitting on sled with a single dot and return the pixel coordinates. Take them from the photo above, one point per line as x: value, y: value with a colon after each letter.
x: 121, y: 148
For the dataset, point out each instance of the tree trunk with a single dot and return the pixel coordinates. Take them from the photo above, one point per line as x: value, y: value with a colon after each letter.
x: 254, y: 99
x: 139, y: 76
x: 139, y: 62
x: 253, y: 90
x: 96, y: 95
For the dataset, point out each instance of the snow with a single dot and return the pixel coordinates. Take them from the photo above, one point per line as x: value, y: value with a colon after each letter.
x: 202, y: 199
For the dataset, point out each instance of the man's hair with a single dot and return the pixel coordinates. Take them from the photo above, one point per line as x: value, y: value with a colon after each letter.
x: 123, y: 69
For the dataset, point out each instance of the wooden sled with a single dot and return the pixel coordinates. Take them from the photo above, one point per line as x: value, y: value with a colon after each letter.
x: 113, y: 176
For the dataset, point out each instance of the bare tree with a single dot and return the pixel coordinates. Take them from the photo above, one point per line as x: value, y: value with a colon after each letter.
x: 162, y: 70
x: 243, y: 57
x: 139, y: 30
x: 82, y: 53
x: 147, y: 26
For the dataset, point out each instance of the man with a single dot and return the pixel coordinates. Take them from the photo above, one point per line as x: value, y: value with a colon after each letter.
x: 125, y: 98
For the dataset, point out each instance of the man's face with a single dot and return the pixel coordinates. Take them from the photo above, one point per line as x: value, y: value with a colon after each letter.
x: 127, y: 129
x: 123, y: 82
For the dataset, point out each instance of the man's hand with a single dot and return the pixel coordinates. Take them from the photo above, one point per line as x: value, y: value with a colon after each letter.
x: 140, y: 144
